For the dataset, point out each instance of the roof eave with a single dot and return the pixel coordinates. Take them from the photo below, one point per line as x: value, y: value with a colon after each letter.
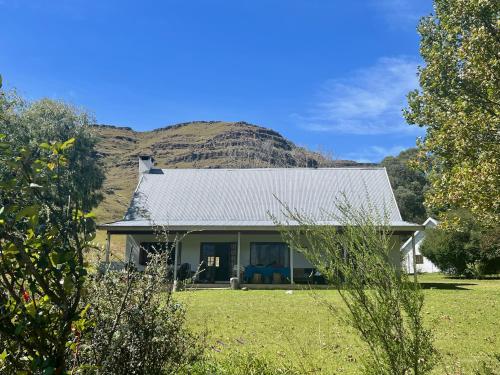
x: 135, y: 229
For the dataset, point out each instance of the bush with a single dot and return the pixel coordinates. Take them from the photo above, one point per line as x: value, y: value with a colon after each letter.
x: 137, y: 325
x: 465, y: 248
x: 382, y: 304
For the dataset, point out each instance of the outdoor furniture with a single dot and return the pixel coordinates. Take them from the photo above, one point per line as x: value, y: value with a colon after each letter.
x: 277, y: 278
x: 264, y: 271
x: 256, y: 278
x: 184, y: 271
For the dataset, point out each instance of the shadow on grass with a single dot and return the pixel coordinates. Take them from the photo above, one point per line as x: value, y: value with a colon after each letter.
x: 448, y: 286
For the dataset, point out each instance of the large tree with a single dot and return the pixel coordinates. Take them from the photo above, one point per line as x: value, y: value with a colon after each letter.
x: 409, y: 185
x: 459, y: 104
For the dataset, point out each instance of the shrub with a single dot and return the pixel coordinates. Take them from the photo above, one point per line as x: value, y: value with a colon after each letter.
x: 137, y: 325
x: 382, y: 304
x: 47, y: 188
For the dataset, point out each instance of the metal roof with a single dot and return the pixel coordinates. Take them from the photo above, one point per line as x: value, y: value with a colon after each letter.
x: 245, y: 198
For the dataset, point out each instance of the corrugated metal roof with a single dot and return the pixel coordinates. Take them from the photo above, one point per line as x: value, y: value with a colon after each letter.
x: 246, y: 197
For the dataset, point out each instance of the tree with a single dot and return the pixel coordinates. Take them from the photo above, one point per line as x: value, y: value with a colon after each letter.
x: 48, y: 121
x: 459, y: 104
x: 409, y: 185
x: 465, y: 248
x: 48, y: 182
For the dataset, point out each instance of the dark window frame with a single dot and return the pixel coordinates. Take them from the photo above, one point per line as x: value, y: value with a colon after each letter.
x: 419, y: 259
x: 146, y: 247
x: 284, y: 246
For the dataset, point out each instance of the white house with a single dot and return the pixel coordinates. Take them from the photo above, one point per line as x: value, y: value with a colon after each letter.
x: 423, y: 264
x: 222, y: 217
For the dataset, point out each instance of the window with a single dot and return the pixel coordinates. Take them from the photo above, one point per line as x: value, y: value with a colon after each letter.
x: 213, y: 261
x: 265, y: 254
x: 419, y: 259
x: 157, y: 247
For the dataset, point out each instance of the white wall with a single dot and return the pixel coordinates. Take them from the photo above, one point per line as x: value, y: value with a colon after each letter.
x: 427, y: 266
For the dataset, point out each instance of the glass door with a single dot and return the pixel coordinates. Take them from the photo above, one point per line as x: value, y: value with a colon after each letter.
x: 216, y: 261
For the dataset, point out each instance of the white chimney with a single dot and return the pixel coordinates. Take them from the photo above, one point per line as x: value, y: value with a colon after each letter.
x: 146, y: 163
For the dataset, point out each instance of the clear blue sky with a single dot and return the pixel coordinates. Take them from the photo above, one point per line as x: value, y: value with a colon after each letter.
x: 328, y: 74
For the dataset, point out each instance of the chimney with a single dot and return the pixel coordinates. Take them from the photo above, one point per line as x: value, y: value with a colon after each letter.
x: 146, y: 163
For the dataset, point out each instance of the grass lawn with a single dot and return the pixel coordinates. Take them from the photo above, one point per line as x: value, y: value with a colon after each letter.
x: 297, y: 328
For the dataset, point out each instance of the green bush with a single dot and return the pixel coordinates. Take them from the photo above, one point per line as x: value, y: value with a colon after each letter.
x: 48, y: 182
x: 137, y: 324
x: 381, y: 303
x: 465, y: 248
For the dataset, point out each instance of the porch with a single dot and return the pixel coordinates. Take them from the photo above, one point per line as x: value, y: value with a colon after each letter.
x: 209, y: 259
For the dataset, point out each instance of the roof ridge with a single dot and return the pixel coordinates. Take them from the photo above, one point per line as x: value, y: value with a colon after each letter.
x: 270, y: 169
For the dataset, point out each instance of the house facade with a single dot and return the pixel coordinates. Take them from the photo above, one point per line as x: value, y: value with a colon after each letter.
x: 422, y: 264
x: 215, y: 222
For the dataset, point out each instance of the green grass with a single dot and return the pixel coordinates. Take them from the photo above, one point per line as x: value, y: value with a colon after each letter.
x: 463, y: 314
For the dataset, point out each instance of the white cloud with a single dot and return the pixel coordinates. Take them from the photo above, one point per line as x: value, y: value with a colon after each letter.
x: 370, y: 101
x: 373, y: 154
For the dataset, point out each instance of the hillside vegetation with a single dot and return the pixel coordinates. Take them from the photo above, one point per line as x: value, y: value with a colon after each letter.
x: 201, y: 144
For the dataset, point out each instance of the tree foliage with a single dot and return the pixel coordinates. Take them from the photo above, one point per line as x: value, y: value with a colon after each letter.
x: 409, y: 185
x: 43, y: 234
x: 48, y: 178
x: 46, y: 122
x: 459, y: 104
x: 465, y: 248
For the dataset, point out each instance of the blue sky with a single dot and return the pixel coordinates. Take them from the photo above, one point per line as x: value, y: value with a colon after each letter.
x: 328, y: 74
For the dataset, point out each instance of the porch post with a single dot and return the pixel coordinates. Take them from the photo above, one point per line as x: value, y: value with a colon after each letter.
x: 176, y: 257
x: 291, y: 265
x: 414, y: 256
x: 108, y: 246
x: 238, y: 258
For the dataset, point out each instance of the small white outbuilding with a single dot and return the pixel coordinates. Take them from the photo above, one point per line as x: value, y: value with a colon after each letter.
x: 424, y: 265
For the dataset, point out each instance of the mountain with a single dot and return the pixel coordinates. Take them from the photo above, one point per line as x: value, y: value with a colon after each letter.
x: 200, y: 144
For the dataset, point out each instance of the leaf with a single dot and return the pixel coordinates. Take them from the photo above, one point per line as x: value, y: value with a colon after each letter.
x: 19, y: 329
x: 3, y: 355
x: 84, y: 311
x: 68, y: 284
x: 28, y: 211
x: 69, y: 143
x: 30, y: 308
x: 45, y: 146
x: 54, y: 258
x: 10, y: 249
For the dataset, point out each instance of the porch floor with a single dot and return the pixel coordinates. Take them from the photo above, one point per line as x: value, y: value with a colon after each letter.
x: 219, y: 286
